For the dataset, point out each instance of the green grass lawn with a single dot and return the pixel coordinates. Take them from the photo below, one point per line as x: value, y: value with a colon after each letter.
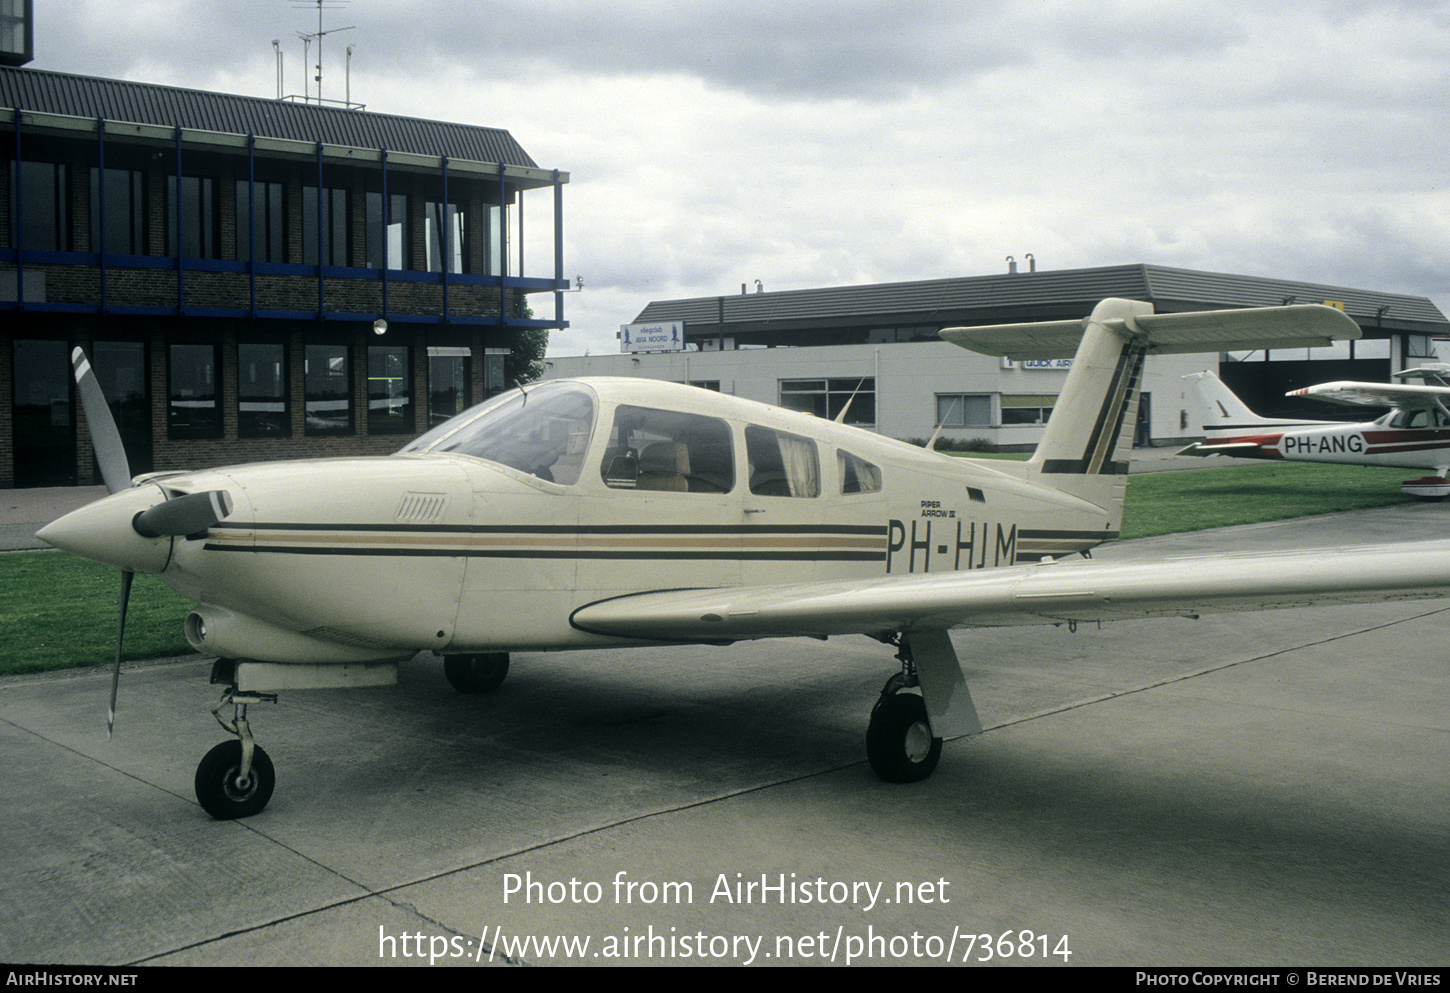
x: 1173, y: 502
x: 59, y: 612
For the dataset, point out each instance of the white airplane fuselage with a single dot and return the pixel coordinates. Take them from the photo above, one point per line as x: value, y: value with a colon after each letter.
x: 375, y: 559
x: 1377, y: 442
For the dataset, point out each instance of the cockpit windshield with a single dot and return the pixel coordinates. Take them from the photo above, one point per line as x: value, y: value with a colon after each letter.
x: 543, y: 432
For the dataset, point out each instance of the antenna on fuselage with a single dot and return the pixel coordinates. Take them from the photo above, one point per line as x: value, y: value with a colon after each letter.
x: 841, y: 417
x: 931, y: 445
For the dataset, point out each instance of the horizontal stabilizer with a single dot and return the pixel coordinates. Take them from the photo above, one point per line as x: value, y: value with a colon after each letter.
x: 1299, y: 326
x: 1051, y: 593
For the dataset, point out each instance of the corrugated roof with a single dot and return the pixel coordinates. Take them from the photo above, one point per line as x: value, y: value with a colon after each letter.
x: 1045, y: 291
x: 169, y: 106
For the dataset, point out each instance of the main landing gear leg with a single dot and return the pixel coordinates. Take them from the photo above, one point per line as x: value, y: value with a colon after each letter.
x: 899, y: 742
x: 927, y: 700
x: 236, y: 778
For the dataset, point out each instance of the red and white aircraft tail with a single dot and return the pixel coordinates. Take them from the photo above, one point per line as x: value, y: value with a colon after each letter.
x: 1221, y: 412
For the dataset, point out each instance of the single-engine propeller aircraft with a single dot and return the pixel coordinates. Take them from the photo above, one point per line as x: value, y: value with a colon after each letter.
x: 623, y: 512
x: 1415, y: 434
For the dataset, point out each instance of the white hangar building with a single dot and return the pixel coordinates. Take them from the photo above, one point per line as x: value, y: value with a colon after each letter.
x: 816, y: 349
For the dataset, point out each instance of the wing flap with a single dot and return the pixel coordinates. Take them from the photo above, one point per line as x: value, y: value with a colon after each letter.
x: 1051, y: 593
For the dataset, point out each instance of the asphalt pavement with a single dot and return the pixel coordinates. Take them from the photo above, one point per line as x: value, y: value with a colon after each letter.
x: 1247, y: 789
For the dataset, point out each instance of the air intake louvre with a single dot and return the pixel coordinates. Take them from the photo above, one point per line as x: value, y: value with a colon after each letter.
x: 421, y: 508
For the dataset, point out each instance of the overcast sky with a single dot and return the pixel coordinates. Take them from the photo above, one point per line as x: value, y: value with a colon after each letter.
x: 711, y: 144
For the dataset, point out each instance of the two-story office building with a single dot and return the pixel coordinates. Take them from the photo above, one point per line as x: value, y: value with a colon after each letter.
x: 255, y: 279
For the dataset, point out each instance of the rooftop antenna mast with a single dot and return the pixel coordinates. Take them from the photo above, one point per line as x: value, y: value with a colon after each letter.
x: 321, y: 5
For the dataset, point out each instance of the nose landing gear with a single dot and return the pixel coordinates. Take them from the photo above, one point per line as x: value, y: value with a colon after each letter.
x: 236, y: 778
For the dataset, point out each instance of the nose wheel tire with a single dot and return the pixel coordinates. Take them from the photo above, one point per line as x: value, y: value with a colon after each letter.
x: 221, y: 790
x: 899, y: 742
x: 476, y: 673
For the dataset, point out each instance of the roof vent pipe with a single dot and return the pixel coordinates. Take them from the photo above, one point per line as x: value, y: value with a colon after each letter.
x: 1011, y: 265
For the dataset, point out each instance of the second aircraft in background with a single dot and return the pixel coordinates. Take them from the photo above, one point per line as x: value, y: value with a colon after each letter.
x: 1414, y: 434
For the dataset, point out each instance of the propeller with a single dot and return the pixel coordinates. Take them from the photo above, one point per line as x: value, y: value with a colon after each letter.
x: 116, y: 471
x: 178, y: 515
x: 105, y: 437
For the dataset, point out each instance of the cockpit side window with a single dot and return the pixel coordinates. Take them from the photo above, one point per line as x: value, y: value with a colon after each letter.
x: 669, y: 451
x: 1410, y: 419
x: 857, y: 475
x: 543, y: 432
x: 782, y: 464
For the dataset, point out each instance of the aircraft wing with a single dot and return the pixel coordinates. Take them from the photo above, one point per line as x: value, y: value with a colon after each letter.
x: 1050, y: 593
x: 1404, y: 396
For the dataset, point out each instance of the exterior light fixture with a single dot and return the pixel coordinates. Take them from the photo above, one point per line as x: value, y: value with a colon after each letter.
x: 380, y: 326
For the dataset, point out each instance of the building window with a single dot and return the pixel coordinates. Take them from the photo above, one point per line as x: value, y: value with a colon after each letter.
x: 452, y: 220
x: 333, y: 226
x: 1420, y: 346
x: 389, y: 231
x: 448, y: 382
x: 125, y: 217
x: 200, y: 223
x: 263, y: 410
x: 782, y: 464
x: 828, y: 397
x: 193, y: 409
x: 390, y: 390
x: 17, y: 37
x: 123, y: 370
x: 41, y: 414
x: 1031, y: 408
x: 495, y: 371
x: 267, y: 207
x: 494, y: 238
x: 40, y: 216
x: 963, y: 410
x: 328, y: 390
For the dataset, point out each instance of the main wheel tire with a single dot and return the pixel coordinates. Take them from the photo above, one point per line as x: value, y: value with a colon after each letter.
x: 476, y: 673
x: 899, y: 742
x: 222, y: 793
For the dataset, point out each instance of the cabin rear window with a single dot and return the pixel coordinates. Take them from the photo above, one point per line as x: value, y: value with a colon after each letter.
x: 543, y: 432
x: 668, y: 451
x: 857, y: 475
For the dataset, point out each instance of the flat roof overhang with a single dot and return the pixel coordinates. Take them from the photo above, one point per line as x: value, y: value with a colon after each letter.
x: 63, y: 125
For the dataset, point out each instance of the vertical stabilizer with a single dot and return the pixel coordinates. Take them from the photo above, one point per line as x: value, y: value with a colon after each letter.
x: 1099, y: 398
x: 1085, y: 447
x: 1218, y: 406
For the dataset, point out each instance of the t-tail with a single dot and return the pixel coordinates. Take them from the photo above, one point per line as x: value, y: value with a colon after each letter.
x: 1085, y: 447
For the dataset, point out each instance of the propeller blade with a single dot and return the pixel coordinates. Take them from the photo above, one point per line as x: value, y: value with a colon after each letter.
x: 189, y: 514
x: 126, y: 577
x: 105, y: 438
